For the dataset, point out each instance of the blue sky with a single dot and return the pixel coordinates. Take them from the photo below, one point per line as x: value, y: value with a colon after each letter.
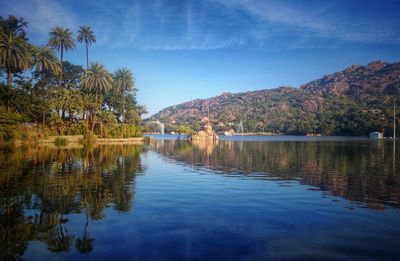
x: 185, y: 49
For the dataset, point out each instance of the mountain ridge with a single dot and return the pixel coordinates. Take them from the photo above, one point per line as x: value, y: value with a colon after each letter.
x: 355, y: 100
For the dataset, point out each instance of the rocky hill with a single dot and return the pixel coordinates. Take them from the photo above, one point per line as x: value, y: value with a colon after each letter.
x: 354, y: 101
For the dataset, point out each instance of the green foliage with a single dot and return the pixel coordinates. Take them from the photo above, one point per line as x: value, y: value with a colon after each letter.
x: 183, y: 129
x: 61, y: 142
x: 97, y: 79
x: 89, y: 137
x: 58, y: 97
x: 57, y: 123
x: 8, y: 124
x: 108, y: 127
x: 131, y: 131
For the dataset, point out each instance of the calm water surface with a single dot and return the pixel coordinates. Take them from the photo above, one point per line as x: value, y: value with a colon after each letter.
x: 238, y: 199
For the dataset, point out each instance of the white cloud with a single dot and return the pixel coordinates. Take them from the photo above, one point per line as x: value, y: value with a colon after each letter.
x: 206, y: 24
x: 42, y: 16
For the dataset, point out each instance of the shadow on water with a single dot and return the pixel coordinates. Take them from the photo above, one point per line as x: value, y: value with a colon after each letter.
x: 360, y: 171
x: 41, y: 186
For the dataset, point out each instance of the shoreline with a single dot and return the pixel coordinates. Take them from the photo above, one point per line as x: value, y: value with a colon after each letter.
x: 77, y: 139
x: 80, y: 139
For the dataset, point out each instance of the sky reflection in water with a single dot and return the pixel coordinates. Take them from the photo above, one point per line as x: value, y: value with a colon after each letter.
x: 177, y: 200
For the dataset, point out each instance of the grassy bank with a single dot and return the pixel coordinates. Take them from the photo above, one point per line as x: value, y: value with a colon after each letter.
x: 81, y: 138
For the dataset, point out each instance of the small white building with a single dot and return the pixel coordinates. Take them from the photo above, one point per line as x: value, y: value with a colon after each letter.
x: 376, y: 135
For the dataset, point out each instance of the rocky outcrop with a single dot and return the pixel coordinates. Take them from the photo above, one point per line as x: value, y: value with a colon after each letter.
x: 207, y: 134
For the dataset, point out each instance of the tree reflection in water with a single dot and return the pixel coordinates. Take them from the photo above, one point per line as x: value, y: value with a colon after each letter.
x: 360, y: 171
x: 41, y: 186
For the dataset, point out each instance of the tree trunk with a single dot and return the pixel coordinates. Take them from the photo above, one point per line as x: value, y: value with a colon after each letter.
x: 43, y: 123
x: 93, y: 123
x: 9, y: 81
x: 61, y: 66
x: 43, y: 113
x: 123, y: 113
x: 87, y: 57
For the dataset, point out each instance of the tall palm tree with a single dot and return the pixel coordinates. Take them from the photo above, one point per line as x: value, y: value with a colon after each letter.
x: 97, y: 80
x: 14, y: 55
x: 123, y: 82
x: 86, y: 34
x: 61, y: 39
x: 45, y: 60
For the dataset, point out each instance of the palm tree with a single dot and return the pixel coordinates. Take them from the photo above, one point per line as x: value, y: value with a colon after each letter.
x: 123, y: 82
x: 45, y: 60
x: 86, y: 34
x: 62, y: 40
x: 141, y: 109
x: 13, y: 25
x: 14, y: 55
x: 97, y: 80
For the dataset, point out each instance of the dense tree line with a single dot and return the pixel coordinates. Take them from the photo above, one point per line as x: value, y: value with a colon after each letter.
x: 51, y: 96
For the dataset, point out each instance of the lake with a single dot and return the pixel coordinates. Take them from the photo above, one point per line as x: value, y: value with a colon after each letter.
x: 241, y: 198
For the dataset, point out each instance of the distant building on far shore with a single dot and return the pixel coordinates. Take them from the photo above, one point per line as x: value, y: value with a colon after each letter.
x: 376, y: 135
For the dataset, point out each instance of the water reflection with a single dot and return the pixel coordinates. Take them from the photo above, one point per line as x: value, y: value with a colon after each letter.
x: 362, y: 171
x: 41, y: 186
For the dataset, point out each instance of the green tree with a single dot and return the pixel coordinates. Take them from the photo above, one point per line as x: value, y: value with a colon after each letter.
x: 14, y: 55
x: 61, y: 39
x: 141, y: 109
x: 13, y: 25
x: 86, y: 34
x: 183, y: 129
x: 123, y: 82
x: 45, y: 60
x: 97, y: 80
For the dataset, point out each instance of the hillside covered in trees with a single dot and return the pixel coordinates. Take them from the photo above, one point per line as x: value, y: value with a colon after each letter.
x: 42, y: 95
x: 355, y: 101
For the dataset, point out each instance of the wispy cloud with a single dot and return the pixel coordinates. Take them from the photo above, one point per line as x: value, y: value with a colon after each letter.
x: 319, y: 23
x: 211, y: 24
x: 42, y: 15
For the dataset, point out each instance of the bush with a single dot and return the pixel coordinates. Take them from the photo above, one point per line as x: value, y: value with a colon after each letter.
x: 89, y: 137
x: 27, y: 133
x: 107, y: 127
x: 8, y: 124
x: 131, y: 131
x: 7, y: 132
x: 60, y: 142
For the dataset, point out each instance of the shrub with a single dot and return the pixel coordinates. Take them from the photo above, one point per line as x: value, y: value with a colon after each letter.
x: 27, y: 133
x: 131, y: 131
x: 9, y: 124
x: 89, y: 137
x: 60, y: 142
